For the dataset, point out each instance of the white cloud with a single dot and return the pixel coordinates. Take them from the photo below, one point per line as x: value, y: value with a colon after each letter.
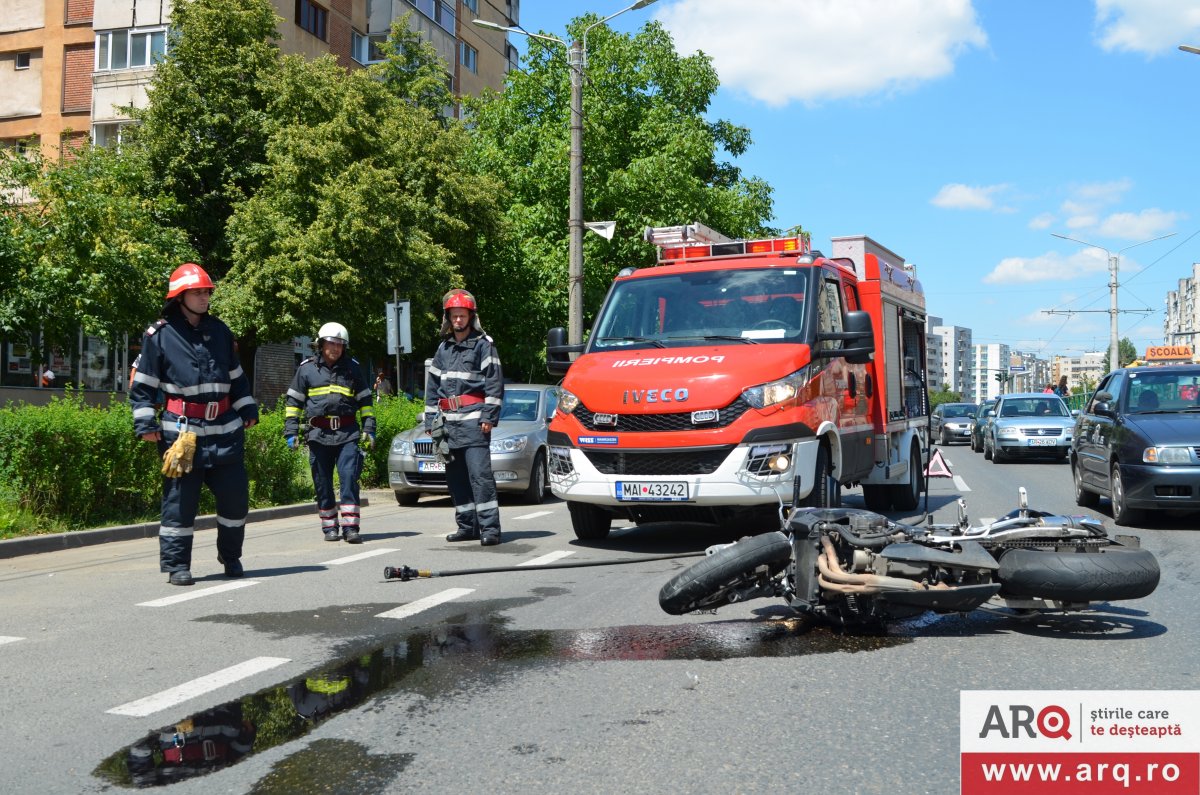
x: 1103, y: 192
x: 1149, y: 27
x: 1043, y: 221
x: 1139, y: 226
x: 780, y: 52
x: 1081, y: 221
x: 956, y: 196
x: 1050, y: 266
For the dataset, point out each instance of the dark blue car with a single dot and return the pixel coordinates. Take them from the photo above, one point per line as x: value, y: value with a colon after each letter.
x: 1137, y: 442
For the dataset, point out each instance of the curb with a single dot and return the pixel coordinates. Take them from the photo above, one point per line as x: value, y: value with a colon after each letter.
x: 32, y: 545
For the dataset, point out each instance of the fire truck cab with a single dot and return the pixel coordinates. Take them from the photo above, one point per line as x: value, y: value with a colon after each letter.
x: 738, y: 376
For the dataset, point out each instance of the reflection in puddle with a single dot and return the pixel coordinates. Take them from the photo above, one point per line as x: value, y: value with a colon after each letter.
x: 219, y: 737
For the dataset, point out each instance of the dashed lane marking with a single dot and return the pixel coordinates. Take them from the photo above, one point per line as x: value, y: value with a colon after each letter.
x: 360, y: 556
x: 200, y: 594
x: 197, y: 687
x: 549, y: 557
x: 9, y: 639
x: 961, y: 484
x: 534, y: 515
x: 412, y: 608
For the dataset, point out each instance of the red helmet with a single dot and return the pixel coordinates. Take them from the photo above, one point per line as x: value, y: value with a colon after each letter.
x: 458, y: 298
x: 188, y: 276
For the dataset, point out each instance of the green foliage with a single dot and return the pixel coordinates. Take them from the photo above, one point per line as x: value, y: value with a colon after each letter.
x: 203, y: 135
x: 941, y: 396
x: 412, y: 69
x: 1125, y: 352
x: 392, y: 415
x: 277, y: 474
x: 88, y: 253
x: 650, y: 159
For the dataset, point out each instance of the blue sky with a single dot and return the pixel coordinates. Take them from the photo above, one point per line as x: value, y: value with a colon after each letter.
x: 961, y: 135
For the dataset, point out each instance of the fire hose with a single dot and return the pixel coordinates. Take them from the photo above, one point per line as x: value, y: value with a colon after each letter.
x: 406, y: 573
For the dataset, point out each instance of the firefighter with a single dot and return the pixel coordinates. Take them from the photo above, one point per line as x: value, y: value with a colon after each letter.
x: 463, y: 394
x: 329, y: 389
x: 189, y: 364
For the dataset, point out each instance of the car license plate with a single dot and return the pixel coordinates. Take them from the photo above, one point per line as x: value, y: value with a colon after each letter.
x: 431, y: 466
x: 653, y: 491
x: 1041, y: 442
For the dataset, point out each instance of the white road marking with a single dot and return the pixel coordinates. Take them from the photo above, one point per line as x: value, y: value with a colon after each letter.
x: 961, y: 484
x: 360, y: 556
x: 184, y: 597
x: 549, y: 557
x: 412, y: 608
x: 197, y: 687
x: 9, y: 639
x: 534, y: 515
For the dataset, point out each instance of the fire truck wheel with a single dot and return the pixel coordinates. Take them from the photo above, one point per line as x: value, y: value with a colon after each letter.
x: 906, y: 496
x: 877, y: 498
x: 826, y: 491
x: 589, y: 522
x: 710, y: 582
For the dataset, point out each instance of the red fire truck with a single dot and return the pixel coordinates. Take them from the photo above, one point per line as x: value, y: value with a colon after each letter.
x: 738, y: 376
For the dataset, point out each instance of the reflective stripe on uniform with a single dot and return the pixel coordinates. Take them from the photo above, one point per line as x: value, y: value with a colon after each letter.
x: 493, y: 401
x: 295, y: 394
x: 331, y: 389
x: 462, y: 374
x: 144, y: 412
x: 199, y: 429
x: 196, y: 389
x: 174, y: 532
x: 235, y: 372
x: 243, y: 402
x: 363, y: 394
x: 465, y: 508
x: 435, y: 370
x: 488, y: 362
x: 227, y: 522
x: 141, y: 378
x: 459, y: 416
x: 487, y: 506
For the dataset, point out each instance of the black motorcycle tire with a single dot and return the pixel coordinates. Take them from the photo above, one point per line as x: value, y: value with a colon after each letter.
x: 702, y: 584
x: 1111, y: 574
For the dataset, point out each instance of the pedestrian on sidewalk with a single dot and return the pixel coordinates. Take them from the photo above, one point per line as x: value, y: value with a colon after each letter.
x: 463, y: 394
x: 330, y: 390
x: 189, y: 369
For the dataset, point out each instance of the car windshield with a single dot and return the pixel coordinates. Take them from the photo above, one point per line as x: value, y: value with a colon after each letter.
x: 519, y: 404
x: 959, y: 410
x: 754, y: 305
x: 1168, y: 391
x: 1035, y: 407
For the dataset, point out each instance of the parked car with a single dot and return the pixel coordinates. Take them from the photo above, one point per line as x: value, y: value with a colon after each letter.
x: 951, y: 422
x: 1137, y: 442
x: 986, y: 410
x: 518, y: 450
x: 1027, y: 424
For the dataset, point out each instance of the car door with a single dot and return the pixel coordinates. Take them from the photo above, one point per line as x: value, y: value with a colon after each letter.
x: 935, y: 420
x: 1094, y: 430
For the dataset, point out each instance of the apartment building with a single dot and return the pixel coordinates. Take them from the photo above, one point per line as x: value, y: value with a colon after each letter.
x: 68, y: 67
x: 1181, y: 321
x: 1083, y: 371
x: 948, y: 358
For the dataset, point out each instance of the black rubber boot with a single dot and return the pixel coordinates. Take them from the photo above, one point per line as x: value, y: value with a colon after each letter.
x: 462, y: 535
x: 352, y: 537
x: 181, y: 577
x: 233, y: 568
x: 333, y: 535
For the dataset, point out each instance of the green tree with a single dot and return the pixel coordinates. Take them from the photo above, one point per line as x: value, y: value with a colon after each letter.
x: 1126, y: 353
x: 82, y: 249
x: 203, y: 135
x: 365, y: 191
x: 651, y: 158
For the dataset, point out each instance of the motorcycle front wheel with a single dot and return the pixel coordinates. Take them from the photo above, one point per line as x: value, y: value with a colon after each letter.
x: 1114, y: 573
x: 707, y: 584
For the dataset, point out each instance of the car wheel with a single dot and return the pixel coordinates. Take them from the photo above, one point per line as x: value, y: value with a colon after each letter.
x: 407, y: 498
x: 987, y: 451
x: 1122, y: 513
x: 1083, y: 497
x: 589, y: 522
x: 943, y: 439
x: 975, y: 445
x: 998, y: 454
x: 535, y: 494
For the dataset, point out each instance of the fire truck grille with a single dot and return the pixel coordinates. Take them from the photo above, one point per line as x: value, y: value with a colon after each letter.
x: 675, y: 421
x: 698, y: 462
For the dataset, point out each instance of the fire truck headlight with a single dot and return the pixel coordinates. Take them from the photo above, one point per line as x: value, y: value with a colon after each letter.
x: 567, y: 401
x: 774, y: 392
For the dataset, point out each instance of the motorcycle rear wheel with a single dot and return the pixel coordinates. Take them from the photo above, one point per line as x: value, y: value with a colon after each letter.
x: 707, y: 583
x: 1109, y: 575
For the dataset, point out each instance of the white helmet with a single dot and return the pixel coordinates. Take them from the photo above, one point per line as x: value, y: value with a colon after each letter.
x: 334, y: 332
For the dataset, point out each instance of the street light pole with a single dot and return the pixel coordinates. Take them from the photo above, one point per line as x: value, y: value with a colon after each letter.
x: 577, y: 62
x: 1114, y: 343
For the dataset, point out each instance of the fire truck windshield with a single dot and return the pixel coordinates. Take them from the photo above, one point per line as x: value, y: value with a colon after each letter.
x: 751, y: 305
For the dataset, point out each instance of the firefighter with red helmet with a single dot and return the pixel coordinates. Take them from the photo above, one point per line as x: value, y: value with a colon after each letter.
x: 189, y: 364
x: 463, y: 393
x: 330, y: 390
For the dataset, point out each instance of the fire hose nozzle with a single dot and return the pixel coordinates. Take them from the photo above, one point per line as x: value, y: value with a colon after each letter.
x: 402, y: 573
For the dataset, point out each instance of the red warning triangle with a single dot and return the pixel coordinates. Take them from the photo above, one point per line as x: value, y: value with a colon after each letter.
x: 938, y: 468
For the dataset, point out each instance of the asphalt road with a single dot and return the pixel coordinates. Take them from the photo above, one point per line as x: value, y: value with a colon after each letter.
x: 539, y: 680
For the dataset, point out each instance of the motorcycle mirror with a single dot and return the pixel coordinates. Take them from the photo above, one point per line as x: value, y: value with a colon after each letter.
x: 962, y: 514
x: 1023, y: 501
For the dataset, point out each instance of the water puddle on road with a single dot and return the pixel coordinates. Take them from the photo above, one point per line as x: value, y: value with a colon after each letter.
x: 222, y: 736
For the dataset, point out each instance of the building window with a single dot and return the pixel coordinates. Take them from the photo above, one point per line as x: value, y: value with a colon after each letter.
x: 365, y: 49
x: 22, y: 60
x: 444, y: 16
x: 130, y: 49
x: 313, y: 18
x: 473, y: 5
x: 109, y: 134
x: 468, y: 56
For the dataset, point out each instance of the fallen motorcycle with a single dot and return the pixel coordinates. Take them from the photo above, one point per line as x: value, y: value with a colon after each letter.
x: 854, y: 567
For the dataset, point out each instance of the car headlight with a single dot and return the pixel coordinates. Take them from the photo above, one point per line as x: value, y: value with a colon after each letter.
x: 774, y: 392
x: 509, y: 444
x: 1167, y: 455
x: 567, y: 401
x: 1008, y: 433
x: 403, y: 447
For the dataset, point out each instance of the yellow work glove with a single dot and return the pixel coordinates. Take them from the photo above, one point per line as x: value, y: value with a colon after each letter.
x: 177, y: 461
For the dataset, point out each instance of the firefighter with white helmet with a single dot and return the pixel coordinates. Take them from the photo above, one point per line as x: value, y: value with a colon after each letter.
x: 330, y: 391
x: 463, y: 393
x: 189, y: 369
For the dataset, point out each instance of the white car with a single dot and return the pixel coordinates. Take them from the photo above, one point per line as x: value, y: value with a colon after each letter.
x: 1027, y: 424
x: 518, y: 450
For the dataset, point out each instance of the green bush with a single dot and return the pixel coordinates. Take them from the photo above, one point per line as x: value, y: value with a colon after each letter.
x: 392, y: 415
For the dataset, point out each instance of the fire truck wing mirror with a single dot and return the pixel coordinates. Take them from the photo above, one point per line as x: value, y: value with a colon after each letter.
x: 558, y: 352
x: 858, y: 342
